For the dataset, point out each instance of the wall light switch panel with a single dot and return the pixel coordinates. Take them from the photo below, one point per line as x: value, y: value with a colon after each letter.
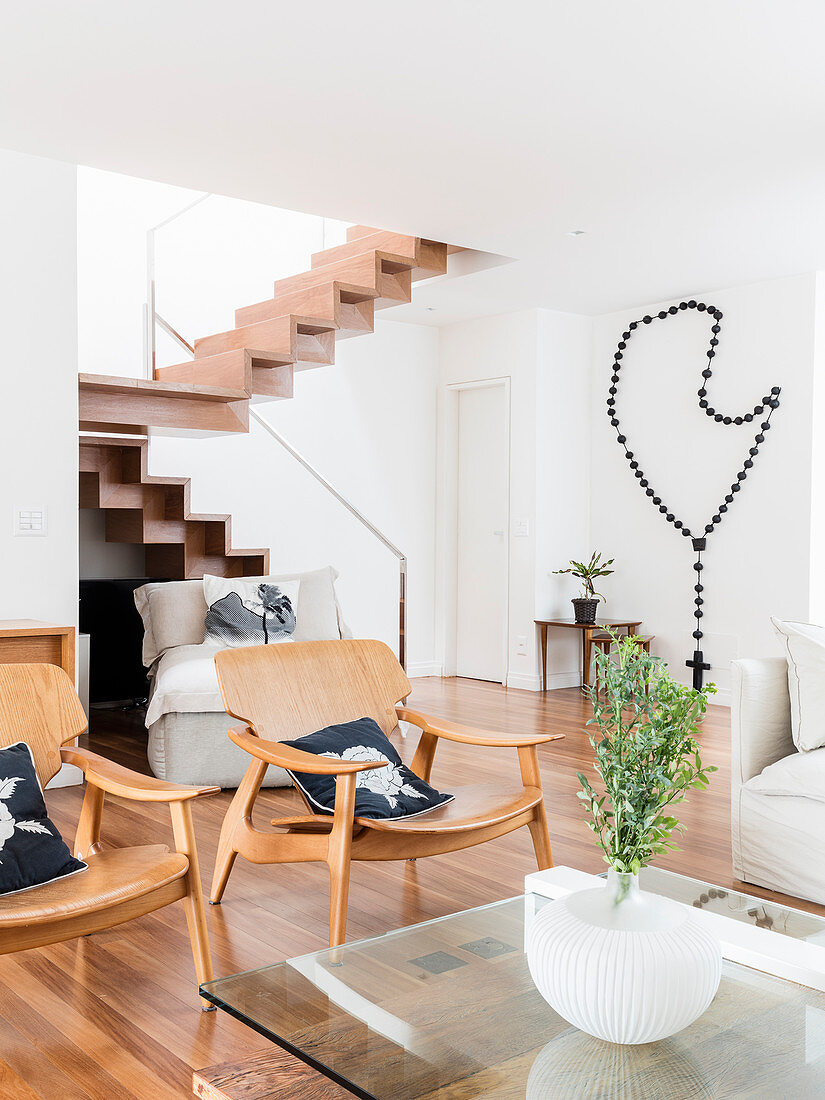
x: 521, y: 529
x: 521, y: 646
x: 30, y: 521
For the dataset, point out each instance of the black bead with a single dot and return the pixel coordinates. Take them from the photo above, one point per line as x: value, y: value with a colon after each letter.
x: 753, y: 451
x: 670, y: 517
x: 757, y: 409
x: 614, y: 422
x: 663, y: 508
x: 697, y: 634
x: 625, y: 336
x: 698, y: 601
x: 748, y: 463
x: 718, y: 314
x: 649, y: 492
x: 638, y: 473
x: 715, y: 328
x: 614, y: 378
x: 713, y: 342
x: 611, y: 401
x: 707, y: 372
x: 775, y: 390
x: 634, y: 465
x: 686, y: 532
x: 633, y: 324
x: 643, y: 482
x: 692, y: 303
x: 697, y: 614
x: 729, y: 499
x: 708, y: 528
x: 766, y: 400
x: 628, y: 455
x: 727, y: 420
x: 774, y: 404
x: 657, y: 500
x: 748, y: 417
x: 697, y: 565
x: 710, y: 309
x: 612, y: 391
x: 703, y: 404
x: 723, y: 508
x: 717, y: 519
x: 710, y: 353
x: 662, y: 314
x: 737, y: 420
x: 618, y: 355
x: 702, y: 393
x: 741, y: 475
x: 760, y: 438
x: 646, y: 319
x: 677, y: 523
x: 672, y: 310
x: 709, y: 411
x: 683, y: 305
x: 622, y: 345
x: 622, y: 439
x: 701, y: 307
x: 698, y: 588
x: 766, y: 427
x: 718, y: 418
x: 735, y: 488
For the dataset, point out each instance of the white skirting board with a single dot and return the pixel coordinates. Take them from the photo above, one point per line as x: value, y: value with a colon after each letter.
x: 800, y: 960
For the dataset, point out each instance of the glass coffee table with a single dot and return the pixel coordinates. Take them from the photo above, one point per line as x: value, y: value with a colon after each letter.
x: 447, y: 1009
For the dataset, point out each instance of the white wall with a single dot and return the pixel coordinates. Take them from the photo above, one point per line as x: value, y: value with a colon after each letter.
x: 368, y: 424
x: 38, y: 445
x: 758, y: 561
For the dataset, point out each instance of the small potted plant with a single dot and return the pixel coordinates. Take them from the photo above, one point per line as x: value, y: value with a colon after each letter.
x: 619, y: 963
x: 584, y: 606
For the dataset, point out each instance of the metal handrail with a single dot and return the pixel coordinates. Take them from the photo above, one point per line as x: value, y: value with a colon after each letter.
x: 154, y: 319
x: 362, y: 519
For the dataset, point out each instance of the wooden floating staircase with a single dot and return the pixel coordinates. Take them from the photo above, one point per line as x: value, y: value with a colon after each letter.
x: 296, y: 329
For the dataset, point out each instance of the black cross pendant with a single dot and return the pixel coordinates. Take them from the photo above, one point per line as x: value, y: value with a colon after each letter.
x: 698, y: 664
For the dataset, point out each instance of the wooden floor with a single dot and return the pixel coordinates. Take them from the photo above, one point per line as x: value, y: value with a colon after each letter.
x: 116, y: 1015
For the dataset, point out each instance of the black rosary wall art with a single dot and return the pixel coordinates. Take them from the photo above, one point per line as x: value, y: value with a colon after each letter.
x: 761, y: 412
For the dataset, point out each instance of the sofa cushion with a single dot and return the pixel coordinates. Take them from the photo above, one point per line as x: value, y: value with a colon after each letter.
x: 174, y: 612
x: 800, y: 775
x: 246, y: 612
x: 804, y: 646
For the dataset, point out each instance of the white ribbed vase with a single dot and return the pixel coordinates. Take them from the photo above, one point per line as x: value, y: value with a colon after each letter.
x: 621, y: 964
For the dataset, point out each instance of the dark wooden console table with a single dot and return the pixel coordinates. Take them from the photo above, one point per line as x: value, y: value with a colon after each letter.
x: 587, y: 631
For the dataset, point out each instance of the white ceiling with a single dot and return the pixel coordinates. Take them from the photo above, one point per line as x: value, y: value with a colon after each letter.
x: 687, y: 139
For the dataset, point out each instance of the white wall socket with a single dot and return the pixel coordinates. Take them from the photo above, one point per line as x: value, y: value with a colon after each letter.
x: 521, y: 645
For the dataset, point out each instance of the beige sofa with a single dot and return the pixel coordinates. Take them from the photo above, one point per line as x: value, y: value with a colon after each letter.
x: 777, y: 793
x: 185, y: 718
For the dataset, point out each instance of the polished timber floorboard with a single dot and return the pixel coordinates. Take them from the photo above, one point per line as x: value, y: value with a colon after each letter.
x: 115, y: 1015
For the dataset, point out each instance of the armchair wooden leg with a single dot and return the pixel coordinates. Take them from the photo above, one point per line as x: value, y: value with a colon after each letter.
x: 338, y: 858
x: 87, y: 838
x: 193, y: 902
x: 240, y: 810
x: 541, y: 838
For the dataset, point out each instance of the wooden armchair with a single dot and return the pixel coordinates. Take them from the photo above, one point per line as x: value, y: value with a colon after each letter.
x: 39, y: 705
x: 283, y: 692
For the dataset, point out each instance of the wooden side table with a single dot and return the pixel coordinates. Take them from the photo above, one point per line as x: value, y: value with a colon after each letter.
x: 30, y: 641
x: 587, y: 631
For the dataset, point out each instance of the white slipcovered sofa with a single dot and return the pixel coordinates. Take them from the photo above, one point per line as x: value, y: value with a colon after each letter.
x: 777, y: 793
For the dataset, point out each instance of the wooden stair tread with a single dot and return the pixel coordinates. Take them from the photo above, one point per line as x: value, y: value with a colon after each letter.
x: 104, y: 383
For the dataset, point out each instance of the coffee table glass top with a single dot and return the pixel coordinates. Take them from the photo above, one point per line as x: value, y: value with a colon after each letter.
x: 447, y: 1009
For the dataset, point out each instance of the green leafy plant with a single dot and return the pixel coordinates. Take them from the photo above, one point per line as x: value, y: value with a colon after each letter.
x: 587, y: 572
x: 643, y: 732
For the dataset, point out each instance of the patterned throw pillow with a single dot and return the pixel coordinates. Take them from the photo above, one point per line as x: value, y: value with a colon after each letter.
x: 243, y: 612
x: 392, y: 791
x: 32, y: 851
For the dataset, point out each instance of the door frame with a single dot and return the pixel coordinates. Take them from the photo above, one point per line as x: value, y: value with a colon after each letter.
x: 449, y: 512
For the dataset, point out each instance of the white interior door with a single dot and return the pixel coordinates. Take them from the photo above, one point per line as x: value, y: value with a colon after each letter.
x: 481, y: 588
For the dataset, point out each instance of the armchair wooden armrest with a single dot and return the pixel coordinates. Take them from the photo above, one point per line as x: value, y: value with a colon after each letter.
x: 468, y: 735
x: 115, y: 779
x: 285, y: 756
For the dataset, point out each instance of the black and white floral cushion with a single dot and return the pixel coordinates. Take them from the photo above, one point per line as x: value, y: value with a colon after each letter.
x: 391, y: 791
x: 32, y: 851
x: 243, y: 612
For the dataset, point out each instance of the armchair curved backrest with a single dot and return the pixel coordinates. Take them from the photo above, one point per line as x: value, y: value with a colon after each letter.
x: 39, y: 705
x: 290, y: 689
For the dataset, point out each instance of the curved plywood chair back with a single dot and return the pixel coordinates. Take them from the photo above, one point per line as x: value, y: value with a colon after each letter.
x: 39, y: 705
x: 289, y: 689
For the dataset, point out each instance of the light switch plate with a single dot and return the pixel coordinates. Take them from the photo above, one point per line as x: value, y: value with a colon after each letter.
x: 521, y: 528
x: 31, y: 521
